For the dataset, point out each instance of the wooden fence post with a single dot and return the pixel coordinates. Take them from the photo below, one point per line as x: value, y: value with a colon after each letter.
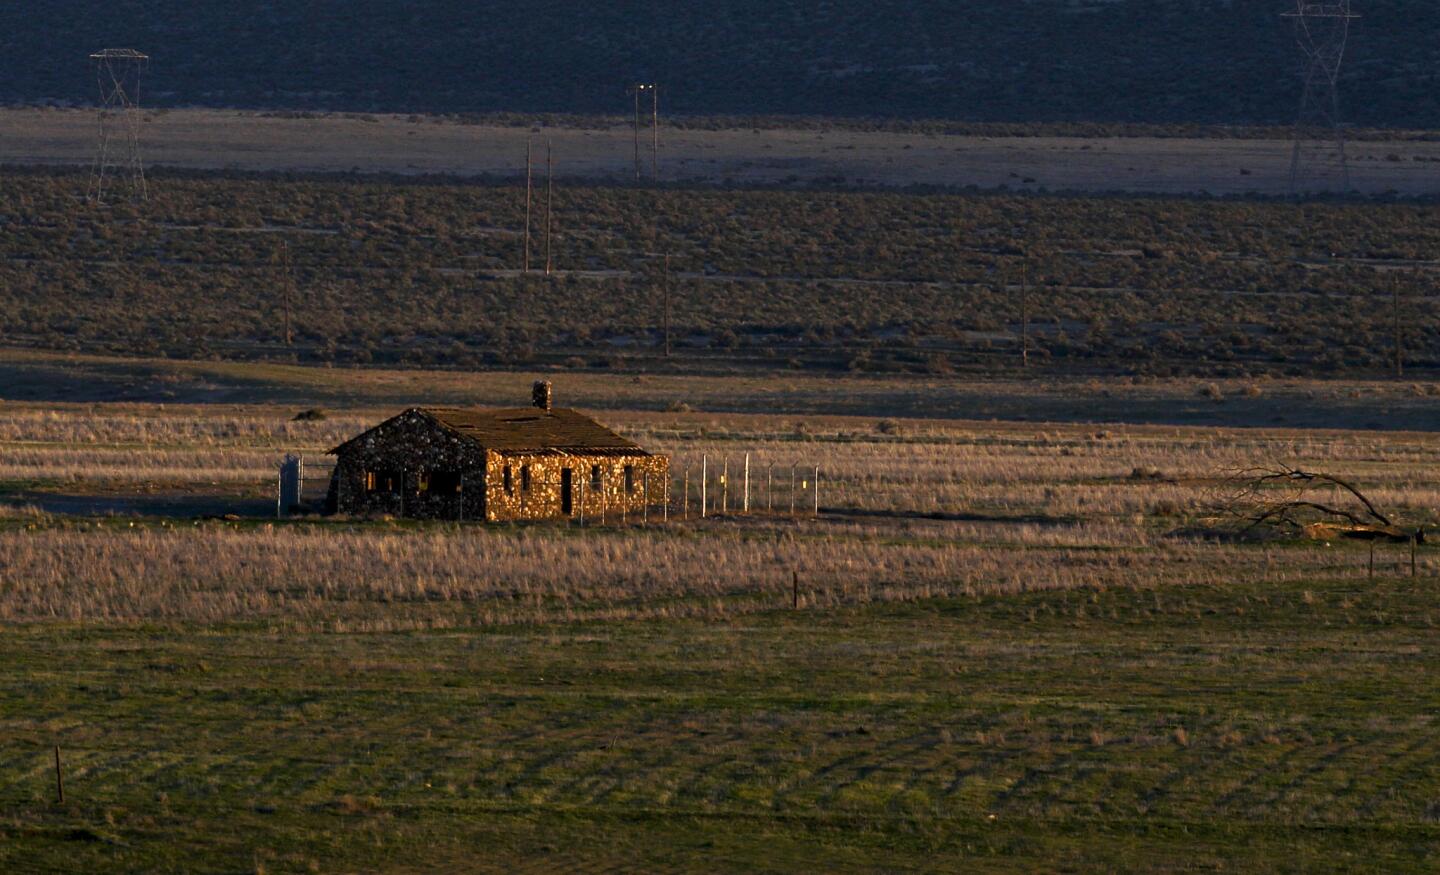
x: 817, y: 492
x: 59, y: 778
x: 645, y: 510
x: 769, y: 494
x: 792, y: 489
x: 1372, y: 558
x: 725, y: 487
x: 685, y: 496
x: 704, y: 485
x: 747, y: 483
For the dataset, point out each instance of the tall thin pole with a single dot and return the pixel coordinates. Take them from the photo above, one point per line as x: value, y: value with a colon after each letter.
x: 666, y: 282
x: 704, y: 485
x: 1025, y: 315
x: 635, y: 128
x: 549, y: 205
x: 287, y: 281
x: 655, y: 132
x: 529, y: 197
x: 1399, y: 332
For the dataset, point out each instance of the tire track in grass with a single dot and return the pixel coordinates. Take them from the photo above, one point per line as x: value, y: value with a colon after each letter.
x: 1270, y: 802
x: 1402, y: 771
x: 1250, y: 782
x: 864, y: 763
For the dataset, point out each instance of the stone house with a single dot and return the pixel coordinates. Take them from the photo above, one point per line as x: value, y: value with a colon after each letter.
x: 530, y: 463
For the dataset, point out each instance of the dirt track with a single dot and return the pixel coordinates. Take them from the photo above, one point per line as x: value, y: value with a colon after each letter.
x: 212, y: 139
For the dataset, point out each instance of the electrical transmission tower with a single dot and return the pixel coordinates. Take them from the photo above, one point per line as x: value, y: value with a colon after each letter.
x: 117, y: 154
x: 1318, y: 151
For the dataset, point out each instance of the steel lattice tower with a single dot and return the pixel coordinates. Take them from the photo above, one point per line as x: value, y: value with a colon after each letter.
x: 1318, y: 151
x: 117, y: 152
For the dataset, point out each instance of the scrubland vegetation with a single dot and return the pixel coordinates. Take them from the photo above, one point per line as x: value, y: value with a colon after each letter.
x: 415, y: 272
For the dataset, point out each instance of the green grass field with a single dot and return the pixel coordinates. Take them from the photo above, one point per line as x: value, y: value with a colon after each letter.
x: 1234, y: 728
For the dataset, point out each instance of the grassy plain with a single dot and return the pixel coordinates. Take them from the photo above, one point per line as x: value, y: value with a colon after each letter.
x: 1011, y: 653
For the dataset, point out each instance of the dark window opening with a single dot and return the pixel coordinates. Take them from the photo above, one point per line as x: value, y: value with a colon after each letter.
x: 446, y: 482
x: 524, y: 478
x: 630, y: 478
x: 509, y: 481
x: 389, y: 482
x: 597, y: 479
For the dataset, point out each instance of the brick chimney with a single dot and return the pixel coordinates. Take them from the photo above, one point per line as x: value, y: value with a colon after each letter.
x: 541, y: 393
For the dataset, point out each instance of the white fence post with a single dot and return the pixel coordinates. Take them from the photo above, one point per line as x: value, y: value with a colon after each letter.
x: 747, y: 483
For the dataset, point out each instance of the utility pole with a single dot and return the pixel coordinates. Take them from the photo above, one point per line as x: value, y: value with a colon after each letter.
x: 665, y: 281
x: 655, y: 132
x: 1399, y: 331
x: 635, y: 129
x: 1025, y: 315
x: 549, y: 205
x: 635, y: 91
x: 287, y: 287
x: 529, y: 196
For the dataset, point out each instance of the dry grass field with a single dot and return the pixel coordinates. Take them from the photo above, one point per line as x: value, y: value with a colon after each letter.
x: 1017, y: 646
x: 910, y: 510
x: 412, y: 145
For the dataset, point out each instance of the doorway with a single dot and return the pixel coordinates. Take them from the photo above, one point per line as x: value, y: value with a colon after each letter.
x: 567, y: 486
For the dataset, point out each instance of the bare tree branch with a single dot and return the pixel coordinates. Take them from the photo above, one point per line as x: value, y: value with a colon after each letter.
x: 1284, y: 496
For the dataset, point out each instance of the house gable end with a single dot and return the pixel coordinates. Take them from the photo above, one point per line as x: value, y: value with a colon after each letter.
x: 403, y: 429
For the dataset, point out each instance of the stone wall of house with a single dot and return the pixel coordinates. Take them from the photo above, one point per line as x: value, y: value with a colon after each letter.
x: 617, y: 498
x: 438, y: 475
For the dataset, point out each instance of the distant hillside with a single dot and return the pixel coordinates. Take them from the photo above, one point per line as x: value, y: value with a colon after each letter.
x: 1208, y: 61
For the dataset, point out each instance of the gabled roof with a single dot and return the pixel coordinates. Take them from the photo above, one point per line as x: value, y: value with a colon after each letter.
x: 523, y: 430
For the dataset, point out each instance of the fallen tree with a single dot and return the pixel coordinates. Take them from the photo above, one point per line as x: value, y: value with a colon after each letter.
x: 1294, y: 501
